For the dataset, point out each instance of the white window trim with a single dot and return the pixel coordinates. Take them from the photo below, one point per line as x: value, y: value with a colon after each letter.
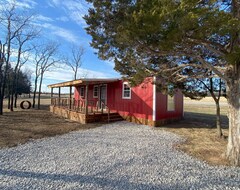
x: 130, y: 93
x: 82, y: 89
x: 95, y: 86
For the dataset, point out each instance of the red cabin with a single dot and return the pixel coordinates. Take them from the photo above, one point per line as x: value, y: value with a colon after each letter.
x: 97, y: 99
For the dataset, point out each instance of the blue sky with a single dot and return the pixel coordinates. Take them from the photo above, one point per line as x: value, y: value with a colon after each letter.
x: 61, y: 20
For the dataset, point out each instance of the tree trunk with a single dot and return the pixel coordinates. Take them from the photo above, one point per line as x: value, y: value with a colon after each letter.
x: 39, y: 91
x: 1, y: 105
x: 4, y: 80
x: 34, y: 92
x: 1, y: 78
x: 9, y: 101
x: 1, y: 97
x: 14, y: 87
x: 75, y: 75
x: 218, y: 119
x: 1, y: 101
x: 233, y: 147
x: 15, y: 100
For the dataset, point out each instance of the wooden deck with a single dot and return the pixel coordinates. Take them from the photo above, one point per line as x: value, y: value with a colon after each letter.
x: 76, y: 111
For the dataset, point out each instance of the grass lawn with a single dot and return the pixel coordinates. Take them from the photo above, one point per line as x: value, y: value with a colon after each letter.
x: 198, y: 128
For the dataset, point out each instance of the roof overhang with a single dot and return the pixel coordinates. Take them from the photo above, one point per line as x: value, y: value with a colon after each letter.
x: 79, y: 82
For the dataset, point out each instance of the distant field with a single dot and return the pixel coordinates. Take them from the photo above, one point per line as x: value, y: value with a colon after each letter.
x: 206, y: 105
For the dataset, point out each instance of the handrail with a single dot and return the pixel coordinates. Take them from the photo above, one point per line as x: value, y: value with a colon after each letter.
x: 79, y: 105
x: 107, y: 108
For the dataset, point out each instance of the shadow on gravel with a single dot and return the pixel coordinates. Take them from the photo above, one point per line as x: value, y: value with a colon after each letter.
x: 122, y: 183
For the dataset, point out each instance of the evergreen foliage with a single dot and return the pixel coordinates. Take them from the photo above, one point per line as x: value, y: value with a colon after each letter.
x: 23, y: 83
x: 179, y: 41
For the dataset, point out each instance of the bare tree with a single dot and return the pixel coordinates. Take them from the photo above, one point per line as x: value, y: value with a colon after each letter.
x: 22, y: 38
x: 45, y: 59
x: 13, y: 23
x: 200, y: 88
x: 75, y: 59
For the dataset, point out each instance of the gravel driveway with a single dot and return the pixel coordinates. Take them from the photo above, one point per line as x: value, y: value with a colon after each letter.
x: 121, y: 155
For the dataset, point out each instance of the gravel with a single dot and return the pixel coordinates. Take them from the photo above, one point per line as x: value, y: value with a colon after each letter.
x: 120, y: 155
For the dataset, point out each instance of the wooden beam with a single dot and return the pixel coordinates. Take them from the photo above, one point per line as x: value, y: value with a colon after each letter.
x: 86, y: 100
x: 65, y: 84
x: 81, y: 82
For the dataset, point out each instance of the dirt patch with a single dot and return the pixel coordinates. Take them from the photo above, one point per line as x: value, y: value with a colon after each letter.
x: 20, y: 126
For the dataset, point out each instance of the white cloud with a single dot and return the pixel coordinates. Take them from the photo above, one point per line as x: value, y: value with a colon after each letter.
x: 61, y: 32
x: 54, y: 3
x: 66, y: 74
x: 75, y: 9
x: 43, y: 18
x: 63, y: 19
x: 23, y: 4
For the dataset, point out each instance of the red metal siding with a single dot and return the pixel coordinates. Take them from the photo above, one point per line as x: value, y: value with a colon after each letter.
x: 161, y: 106
x: 90, y: 93
x: 140, y: 104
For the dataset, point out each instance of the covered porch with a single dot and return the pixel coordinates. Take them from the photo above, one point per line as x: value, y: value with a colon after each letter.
x: 83, y: 110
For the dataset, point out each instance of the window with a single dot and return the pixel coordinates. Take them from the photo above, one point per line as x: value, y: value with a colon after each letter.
x: 95, y: 91
x: 126, y: 93
x: 82, y: 91
x: 170, y: 103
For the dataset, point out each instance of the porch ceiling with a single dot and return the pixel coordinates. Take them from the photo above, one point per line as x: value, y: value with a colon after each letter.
x: 83, y: 82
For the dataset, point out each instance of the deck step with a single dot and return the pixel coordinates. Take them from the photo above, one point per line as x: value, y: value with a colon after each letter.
x: 113, y: 117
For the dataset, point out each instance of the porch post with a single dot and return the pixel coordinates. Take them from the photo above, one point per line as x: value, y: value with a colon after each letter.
x: 86, y: 100
x: 99, y: 99
x: 51, y: 96
x: 70, y: 96
x: 59, y: 96
x: 51, y: 92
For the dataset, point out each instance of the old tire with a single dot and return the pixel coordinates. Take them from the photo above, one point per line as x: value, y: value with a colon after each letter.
x: 23, y: 107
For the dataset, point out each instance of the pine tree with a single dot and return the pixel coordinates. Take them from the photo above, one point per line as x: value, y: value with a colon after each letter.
x: 171, y: 39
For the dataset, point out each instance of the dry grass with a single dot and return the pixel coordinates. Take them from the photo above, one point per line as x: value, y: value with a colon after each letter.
x: 21, y: 126
x: 198, y: 128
